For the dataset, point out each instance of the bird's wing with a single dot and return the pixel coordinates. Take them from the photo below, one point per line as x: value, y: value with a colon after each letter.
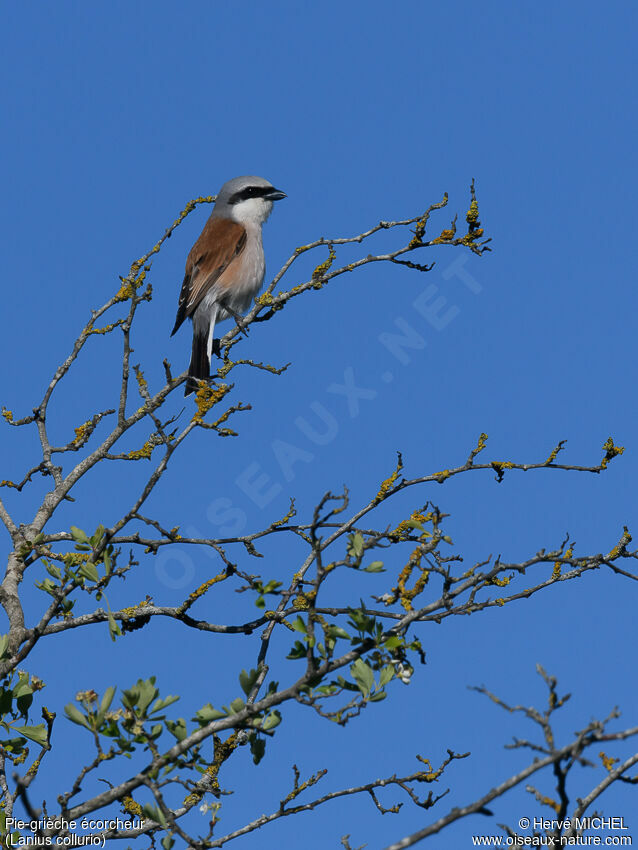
x: 221, y: 242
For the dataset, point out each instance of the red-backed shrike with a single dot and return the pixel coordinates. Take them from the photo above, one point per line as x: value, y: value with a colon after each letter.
x: 225, y: 267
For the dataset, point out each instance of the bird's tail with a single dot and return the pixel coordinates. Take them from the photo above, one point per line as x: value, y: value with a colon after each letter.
x: 199, y: 368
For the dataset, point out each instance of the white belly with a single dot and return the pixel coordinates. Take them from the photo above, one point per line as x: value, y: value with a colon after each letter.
x: 247, y: 274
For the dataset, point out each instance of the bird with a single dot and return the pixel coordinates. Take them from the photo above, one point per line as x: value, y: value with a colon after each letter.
x: 225, y: 268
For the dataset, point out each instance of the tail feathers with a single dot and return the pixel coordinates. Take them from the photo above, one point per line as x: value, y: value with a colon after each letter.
x: 199, y: 368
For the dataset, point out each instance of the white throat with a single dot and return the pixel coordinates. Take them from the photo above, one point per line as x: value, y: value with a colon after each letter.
x: 251, y: 211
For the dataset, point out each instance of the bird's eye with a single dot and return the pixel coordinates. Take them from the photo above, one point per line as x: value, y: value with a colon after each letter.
x: 245, y: 194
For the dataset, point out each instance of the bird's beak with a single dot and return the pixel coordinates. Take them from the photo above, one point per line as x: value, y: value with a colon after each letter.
x: 276, y: 195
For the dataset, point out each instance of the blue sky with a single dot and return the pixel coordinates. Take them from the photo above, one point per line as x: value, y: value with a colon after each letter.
x: 116, y: 114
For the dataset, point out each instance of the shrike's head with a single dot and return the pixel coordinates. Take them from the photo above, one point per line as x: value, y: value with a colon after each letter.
x: 247, y: 200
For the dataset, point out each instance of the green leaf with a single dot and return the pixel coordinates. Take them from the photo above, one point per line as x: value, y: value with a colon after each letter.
x: 107, y: 562
x: 237, y: 705
x: 4, y: 644
x: 355, y: 544
x: 159, y: 704
x: 271, y: 721
x: 327, y: 689
x: 412, y: 523
x: 300, y: 626
x: 89, y: 571
x: 140, y: 695
x: 387, y: 674
x: 378, y: 696
x: 207, y: 714
x: 247, y: 680
x: 114, y: 629
x: 47, y: 586
x: 76, y: 716
x: 6, y: 698
x: 34, y: 733
x: 105, y: 703
x: 393, y: 642
x: 99, y: 534
x: 167, y: 842
x: 147, y: 693
x: 154, y: 813
x: 363, y: 676
x: 177, y: 728
x: 53, y: 570
x: 298, y: 651
x: 78, y: 535
x: 360, y: 619
x: 14, y: 745
x: 337, y: 632
x: 23, y: 688
x: 375, y: 567
x: 257, y: 748
x: 23, y: 694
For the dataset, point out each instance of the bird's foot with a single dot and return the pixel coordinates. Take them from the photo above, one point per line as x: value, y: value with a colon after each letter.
x: 241, y: 327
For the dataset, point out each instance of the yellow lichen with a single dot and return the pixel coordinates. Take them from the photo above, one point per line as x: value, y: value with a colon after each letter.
x: 303, y: 601
x: 144, y: 453
x: 611, y: 451
x: 621, y: 546
x: 75, y: 559
x: 131, y: 807
x: 82, y: 433
x: 289, y: 515
x: 472, y: 213
x: 500, y: 466
x: 556, y: 572
x: 419, y: 232
x: 133, y: 610
x: 142, y: 383
x: 322, y: 268
x: 547, y: 801
x: 222, y: 751
x: 207, y: 397
x: 404, y: 594
x: 389, y: 482
x: 499, y: 582
x: 125, y: 291
x: 554, y: 452
x: 608, y: 761
x: 405, y: 526
x: 200, y: 591
x: 430, y: 775
x: 482, y: 440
